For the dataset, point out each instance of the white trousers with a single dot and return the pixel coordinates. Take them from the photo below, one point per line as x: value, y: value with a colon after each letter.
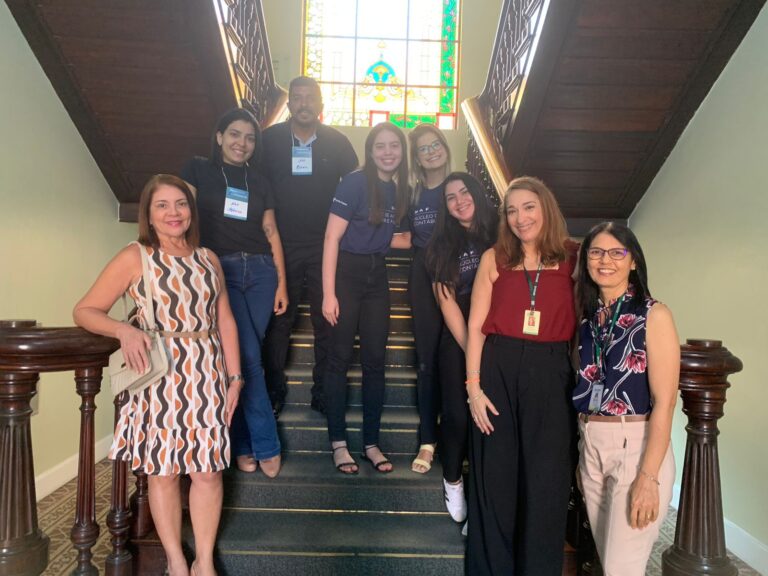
x: 609, y: 459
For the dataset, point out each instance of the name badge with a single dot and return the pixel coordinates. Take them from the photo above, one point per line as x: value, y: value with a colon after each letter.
x: 596, y: 399
x: 236, y: 203
x: 301, y: 161
x: 531, y: 321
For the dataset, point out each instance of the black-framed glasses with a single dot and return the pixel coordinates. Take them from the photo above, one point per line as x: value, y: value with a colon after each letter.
x: 613, y: 253
x: 427, y: 148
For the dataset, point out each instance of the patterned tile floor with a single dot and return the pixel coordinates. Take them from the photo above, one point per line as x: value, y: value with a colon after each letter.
x: 57, y: 513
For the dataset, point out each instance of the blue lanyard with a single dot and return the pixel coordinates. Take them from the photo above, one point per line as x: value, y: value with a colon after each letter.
x: 601, y: 344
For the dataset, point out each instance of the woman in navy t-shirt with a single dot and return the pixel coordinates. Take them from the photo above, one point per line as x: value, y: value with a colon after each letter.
x: 466, y: 227
x: 367, y: 207
x: 430, y: 164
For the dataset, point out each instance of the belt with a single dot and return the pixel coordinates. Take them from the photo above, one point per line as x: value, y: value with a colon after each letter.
x: 616, y: 419
x: 200, y: 334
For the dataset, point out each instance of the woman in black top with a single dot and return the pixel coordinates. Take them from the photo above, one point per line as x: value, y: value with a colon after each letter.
x: 237, y: 222
x: 466, y: 227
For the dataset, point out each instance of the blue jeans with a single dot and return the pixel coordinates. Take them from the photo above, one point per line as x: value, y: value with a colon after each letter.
x: 251, y: 284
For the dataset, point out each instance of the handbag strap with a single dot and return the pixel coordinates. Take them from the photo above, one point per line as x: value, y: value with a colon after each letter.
x: 149, y: 308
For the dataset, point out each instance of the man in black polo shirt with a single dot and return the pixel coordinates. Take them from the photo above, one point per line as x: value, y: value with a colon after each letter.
x: 304, y: 161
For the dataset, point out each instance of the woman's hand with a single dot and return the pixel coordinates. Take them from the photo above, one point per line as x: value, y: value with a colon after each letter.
x: 479, y: 405
x: 233, y: 396
x: 331, y: 309
x: 643, y: 501
x: 281, y: 299
x: 134, y: 343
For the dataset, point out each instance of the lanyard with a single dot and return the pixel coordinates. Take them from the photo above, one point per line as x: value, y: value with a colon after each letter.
x: 226, y: 182
x: 601, y: 344
x: 532, y: 286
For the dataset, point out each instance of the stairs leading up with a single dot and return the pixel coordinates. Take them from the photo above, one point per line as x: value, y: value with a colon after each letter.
x: 313, y: 520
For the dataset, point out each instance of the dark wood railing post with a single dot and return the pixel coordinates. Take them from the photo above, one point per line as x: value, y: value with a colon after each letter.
x: 119, y: 561
x: 85, y: 531
x: 699, y: 546
x: 23, y: 546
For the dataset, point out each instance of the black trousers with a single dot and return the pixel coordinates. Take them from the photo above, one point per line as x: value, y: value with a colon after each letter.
x: 362, y: 290
x: 303, y: 266
x: 520, y: 475
x: 454, y: 422
x: 427, y: 325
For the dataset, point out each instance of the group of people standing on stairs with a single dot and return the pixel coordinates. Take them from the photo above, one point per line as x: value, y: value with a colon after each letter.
x: 230, y: 245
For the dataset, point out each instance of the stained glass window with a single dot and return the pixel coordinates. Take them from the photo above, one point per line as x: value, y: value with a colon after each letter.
x: 379, y: 60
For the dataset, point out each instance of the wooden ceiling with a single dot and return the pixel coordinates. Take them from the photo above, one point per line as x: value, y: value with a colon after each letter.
x: 143, y: 81
x: 611, y: 89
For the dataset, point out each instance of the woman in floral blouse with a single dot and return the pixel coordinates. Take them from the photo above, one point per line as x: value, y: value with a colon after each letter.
x: 629, y: 359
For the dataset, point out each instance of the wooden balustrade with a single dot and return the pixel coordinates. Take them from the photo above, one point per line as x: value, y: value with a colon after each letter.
x: 26, y: 351
x: 699, y: 546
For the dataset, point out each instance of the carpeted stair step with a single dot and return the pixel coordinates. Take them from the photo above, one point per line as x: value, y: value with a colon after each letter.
x: 337, y: 543
x: 400, y: 350
x: 302, y: 429
x: 400, y: 386
x: 309, y: 481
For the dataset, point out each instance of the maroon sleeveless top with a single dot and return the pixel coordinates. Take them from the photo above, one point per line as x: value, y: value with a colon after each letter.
x: 510, y: 299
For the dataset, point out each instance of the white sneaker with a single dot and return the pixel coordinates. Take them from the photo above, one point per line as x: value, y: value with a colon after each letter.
x: 455, y: 500
x: 464, y: 530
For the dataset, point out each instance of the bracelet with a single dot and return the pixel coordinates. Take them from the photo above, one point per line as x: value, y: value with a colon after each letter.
x: 472, y: 381
x: 473, y: 372
x: 235, y: 378
x: 650, y: 476
x: 479, y: 395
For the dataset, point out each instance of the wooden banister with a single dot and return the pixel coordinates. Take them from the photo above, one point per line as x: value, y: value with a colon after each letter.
x: 26, y: 351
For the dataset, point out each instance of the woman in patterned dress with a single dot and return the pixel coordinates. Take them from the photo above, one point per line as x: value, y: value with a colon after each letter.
x: 180, y: 424
x: 629, y: 357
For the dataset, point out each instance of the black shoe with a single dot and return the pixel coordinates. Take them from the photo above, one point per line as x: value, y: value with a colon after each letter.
x: 277, y: 407
x: 318, y: 405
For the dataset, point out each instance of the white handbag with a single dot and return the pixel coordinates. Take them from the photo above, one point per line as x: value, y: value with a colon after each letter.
x: 123, y: 378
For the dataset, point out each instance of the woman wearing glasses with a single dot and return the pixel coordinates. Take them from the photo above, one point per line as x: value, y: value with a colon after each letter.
x: 519, y: 382
x: 629, y: 359
x: 430, y: 164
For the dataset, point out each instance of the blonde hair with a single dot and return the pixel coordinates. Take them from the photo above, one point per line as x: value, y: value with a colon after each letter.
x: 417, y: 174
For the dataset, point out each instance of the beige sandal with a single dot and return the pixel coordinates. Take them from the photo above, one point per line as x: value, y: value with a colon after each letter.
x: 426, y: 465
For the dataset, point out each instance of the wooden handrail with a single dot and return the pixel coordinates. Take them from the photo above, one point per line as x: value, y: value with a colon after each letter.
x: 488, y: 149
x: 25, y: 351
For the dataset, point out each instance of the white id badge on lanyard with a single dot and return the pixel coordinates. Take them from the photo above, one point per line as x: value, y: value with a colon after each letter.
x: 301, y: 161
x: 236, y: 203
x: 531, y: 322
x: 596, y: 398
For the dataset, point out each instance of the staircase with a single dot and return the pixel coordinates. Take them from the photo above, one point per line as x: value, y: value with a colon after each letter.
x: 312, y: 520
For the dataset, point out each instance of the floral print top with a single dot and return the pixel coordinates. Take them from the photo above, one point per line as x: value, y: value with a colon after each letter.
x: 626, y: 378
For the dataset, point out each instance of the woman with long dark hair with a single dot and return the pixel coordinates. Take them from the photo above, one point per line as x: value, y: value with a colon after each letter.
x: 365, y: 211
x: 519, y: 379
x: 237, y: 221
x: 465, y: 229
x: 430, y: 163
x: 629, y: 367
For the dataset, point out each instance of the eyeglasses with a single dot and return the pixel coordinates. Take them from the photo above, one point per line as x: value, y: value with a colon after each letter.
x: 426, y: 149
x: 613, y: 253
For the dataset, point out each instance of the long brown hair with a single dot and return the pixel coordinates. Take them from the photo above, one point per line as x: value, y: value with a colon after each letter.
x: 400, y: 178
x: 147, y: 234
x: 552, y: 239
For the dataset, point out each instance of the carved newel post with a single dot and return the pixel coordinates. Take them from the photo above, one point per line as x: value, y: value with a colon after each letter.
x: 699, y: 546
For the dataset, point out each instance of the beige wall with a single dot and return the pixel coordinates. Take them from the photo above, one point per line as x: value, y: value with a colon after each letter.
x: 703, y: 226
x: 478, y: 29
x: 58, y: 227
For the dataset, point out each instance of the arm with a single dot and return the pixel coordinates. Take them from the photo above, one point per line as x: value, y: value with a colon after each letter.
x: 401, y: 240
x: 481, y: 304
x: 333, y: 233
x: 273, y: 236
x: 452, y: 315
x: 91, y: 311
x: 229, y: 342
x: 663, y: 354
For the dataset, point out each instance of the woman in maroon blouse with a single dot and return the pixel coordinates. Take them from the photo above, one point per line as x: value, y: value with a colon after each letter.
x: 519, y: 381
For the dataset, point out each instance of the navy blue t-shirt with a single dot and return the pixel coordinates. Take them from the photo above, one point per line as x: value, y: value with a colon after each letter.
x: 423, y: 215
x: 469, y: 261
x: 351, y: 204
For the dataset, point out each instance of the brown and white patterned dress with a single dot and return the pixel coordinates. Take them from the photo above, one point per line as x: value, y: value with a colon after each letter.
x: 177, y: 426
